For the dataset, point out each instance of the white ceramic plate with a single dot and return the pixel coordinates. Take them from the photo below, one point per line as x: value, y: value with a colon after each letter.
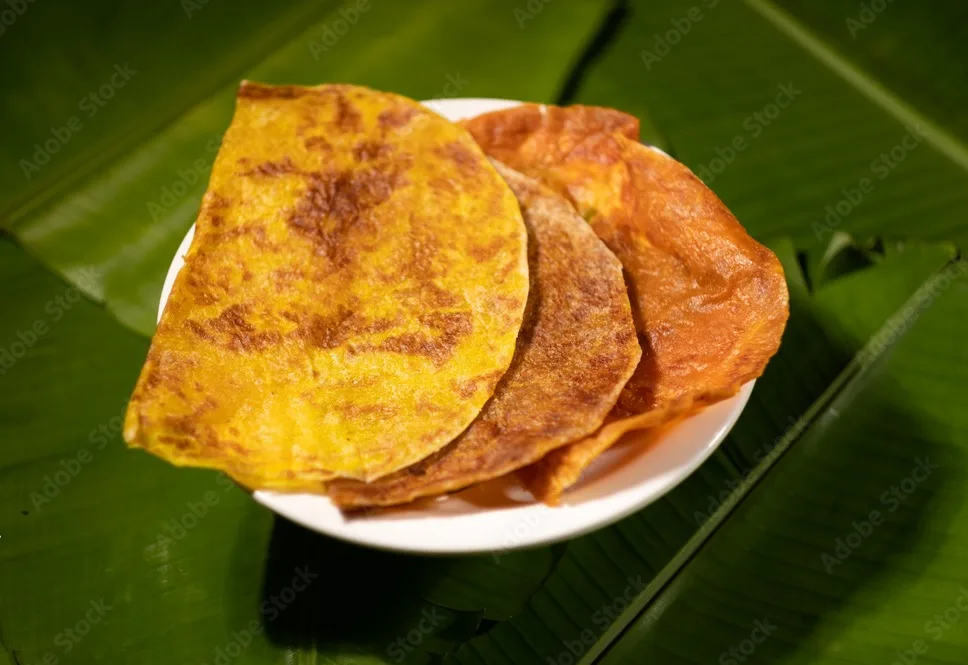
x: 500, y: 515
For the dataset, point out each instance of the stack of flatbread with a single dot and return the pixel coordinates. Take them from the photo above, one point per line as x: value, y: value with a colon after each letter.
x: 382, y: 305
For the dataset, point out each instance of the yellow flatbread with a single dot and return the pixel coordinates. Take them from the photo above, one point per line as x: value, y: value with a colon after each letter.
x: 351, y: 298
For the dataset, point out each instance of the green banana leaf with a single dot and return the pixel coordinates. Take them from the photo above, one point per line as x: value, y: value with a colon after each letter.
x: 849, y: 102
x: 847, y: 551
x: 114, y: 232
x: 108, y: 555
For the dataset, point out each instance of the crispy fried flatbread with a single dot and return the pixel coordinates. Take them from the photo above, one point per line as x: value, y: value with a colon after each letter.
x: 541, y: 136
x: 351, y: 298
x: 577, y: 348
x: 710, y: 303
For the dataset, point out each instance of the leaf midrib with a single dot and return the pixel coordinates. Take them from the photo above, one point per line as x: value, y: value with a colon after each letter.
x: 850, y: 379
x: 100, y: 156
x: 943, y: 141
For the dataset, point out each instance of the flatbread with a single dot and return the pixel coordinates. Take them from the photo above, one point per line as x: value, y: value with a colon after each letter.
x: 577, y: 348
x: 541, y: 136
x: 351, y: 298
x: 710, y: 302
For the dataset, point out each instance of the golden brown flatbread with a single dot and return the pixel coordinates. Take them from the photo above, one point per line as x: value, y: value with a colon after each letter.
x: 351, y: 298
x: 541, y: 136
x: 576, y: 350
x: 710, y: 303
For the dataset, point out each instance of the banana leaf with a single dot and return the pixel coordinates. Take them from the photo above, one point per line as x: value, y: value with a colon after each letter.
x: 866, y: 386
x: 797, y: 170
x: 115, y: 227
x: 108, y: 554
x: 846, y: 551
